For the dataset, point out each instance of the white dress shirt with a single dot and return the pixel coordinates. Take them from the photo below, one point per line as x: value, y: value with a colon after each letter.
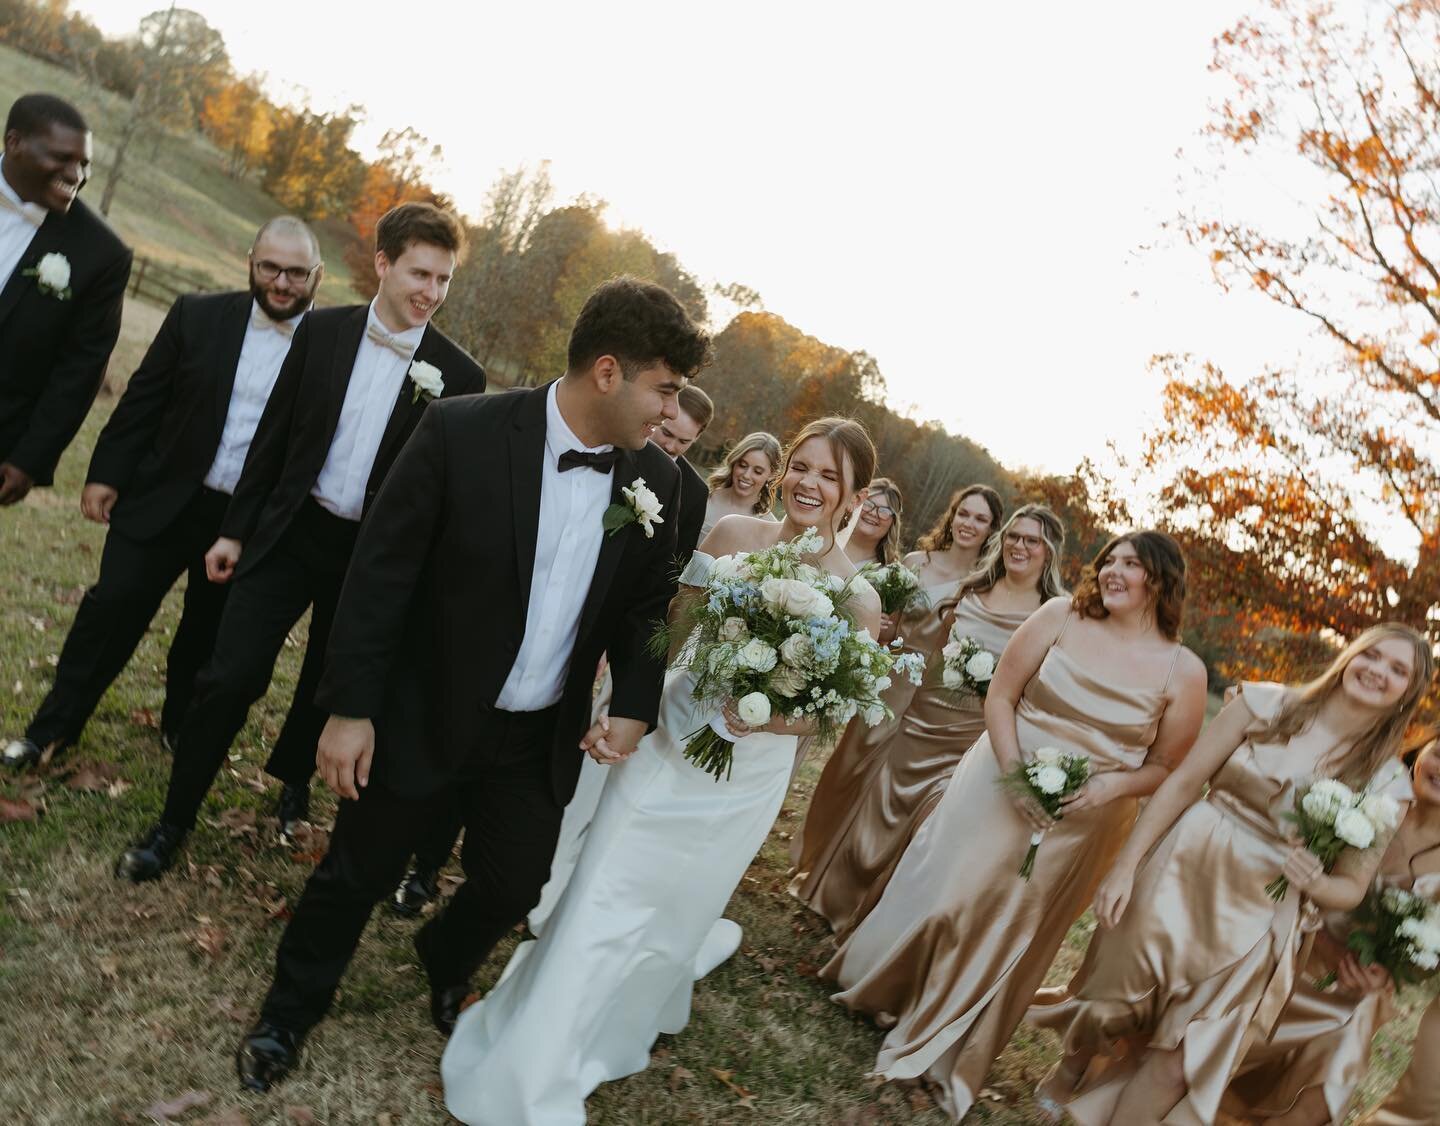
x: 16, y: 231
x: 369, y: 399
x: 261, y: 355
x: 567, y: 546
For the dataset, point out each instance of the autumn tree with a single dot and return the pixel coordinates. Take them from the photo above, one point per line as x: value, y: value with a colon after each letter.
x: 238, y: 117
x: 397, y: 175
x: 1310, y: 496
x: 309, y: 166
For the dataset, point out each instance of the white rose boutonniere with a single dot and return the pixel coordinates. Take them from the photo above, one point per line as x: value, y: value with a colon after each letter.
x: 641, y: 507
x: 428, y: 381
x: 52, y: 275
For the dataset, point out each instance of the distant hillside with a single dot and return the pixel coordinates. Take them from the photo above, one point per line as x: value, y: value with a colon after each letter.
x: 179, y: 208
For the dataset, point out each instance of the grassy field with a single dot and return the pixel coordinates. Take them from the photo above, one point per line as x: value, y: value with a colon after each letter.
x: 179, y: 207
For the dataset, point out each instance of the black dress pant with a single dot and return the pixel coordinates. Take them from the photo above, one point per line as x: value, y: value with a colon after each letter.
x: 304, y: 569
x: 512, y: 822
x: 135, y: 576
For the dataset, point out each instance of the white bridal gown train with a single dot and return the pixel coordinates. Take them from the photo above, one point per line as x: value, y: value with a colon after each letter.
x: 627, y: 937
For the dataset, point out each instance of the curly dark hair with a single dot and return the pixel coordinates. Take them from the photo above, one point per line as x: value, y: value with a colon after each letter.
x: 419, y: 222
x: 640, y: 324
x: 1164, y: 565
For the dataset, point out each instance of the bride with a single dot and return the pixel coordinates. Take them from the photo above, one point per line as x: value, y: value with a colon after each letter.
x: 622, y: 949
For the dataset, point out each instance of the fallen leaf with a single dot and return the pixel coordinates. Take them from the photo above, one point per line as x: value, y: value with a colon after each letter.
x: 767, y: 963
x: 727, y: 1076
x: 300, y: 1114
x: 144, y: 717
x: 385, y: 1119
x: 227, y: 1008
x: 990, y: 1095
x: 920, y: 1102
x: 109, y: 966
x: 679, y: 1075
x: 806, y: 969
x: 174, y: 1108
x: 21, y: 810
x: 236, y: 819
x: 211, y: 939
x: 93, y: 777
x: 230, y: 1117
x: 660, y: 1055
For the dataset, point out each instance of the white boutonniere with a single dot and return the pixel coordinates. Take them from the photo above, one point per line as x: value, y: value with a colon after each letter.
x: 641, y: 507
x: 52, y: 275
x: 427, y: 379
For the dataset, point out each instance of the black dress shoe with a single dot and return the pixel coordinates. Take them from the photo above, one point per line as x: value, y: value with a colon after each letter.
x: 21, y: 752
x: 293, y: 807
x: 446, y: 998
x: 148, y: 857
x: 266, y: 1056
x: 419, y: 887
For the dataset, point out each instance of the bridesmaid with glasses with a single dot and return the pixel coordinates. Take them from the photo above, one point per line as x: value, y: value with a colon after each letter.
x: 875, y: 530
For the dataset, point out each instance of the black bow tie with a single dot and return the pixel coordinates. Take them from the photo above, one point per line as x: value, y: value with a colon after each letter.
x: 601, y: 463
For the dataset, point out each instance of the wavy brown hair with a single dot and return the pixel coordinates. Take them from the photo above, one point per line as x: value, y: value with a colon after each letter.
x: 1385, y: 737
x: 854, y: 453
x: 887, y: 549
x: 767, y: 444
x: 1164, y: 565
x: 990, y: 568
x: 942, y: 535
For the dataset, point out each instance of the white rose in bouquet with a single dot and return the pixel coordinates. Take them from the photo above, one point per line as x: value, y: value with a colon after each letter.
x: 1049, y: 756
x: 1326, y: 798
x: 734, y: 629
x: 872, y: 714
x: 756, y: 655
x: 952, y: 678
x: 1354, y: 828
x: 798, y: 651
x: 795, y: 599
x: 1396, y: 900
x: 787, y: 680
x: 1380, y: 811
x: 1048, y: 779
x: 807, y: 574
x: 720, y: 658
x: 952, y: 650
x: 726, y: 569
x: 981, y: 666
x: 754, y: 709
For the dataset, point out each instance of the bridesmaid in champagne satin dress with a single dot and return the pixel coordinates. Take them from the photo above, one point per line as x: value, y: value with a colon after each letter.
x: 1019, y: 572
x: 947, y: 554
x: 953, y: 952
x: 1306, y: 1073
x: 1195, y: 962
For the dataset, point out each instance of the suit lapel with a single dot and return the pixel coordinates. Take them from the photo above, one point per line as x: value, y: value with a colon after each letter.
x: 342, y: 363
x: 406, y: 411
x: 612, y: 547
x: 225, y: 352
x: 527, y: 468
x: 50, y: 236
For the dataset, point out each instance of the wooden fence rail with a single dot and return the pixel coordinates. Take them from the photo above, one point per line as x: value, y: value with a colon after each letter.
x: 161, y: 283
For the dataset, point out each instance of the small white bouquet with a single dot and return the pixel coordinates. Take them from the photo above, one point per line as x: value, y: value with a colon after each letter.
x: 771, y: 633
x: 1398, y: 930
x: 966, y: 666
x: 1050, y: 779
x: 897, y: 586
x: 1332, y: 817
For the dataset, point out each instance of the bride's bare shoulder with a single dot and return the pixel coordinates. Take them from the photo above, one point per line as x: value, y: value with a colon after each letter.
x: 735, y: 533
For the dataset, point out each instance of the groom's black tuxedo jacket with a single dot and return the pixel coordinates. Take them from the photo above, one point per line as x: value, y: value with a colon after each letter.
x: 694, y: 496
x: 301, y: 416
x: 434, y: 605
x: 162, y: 436
x: 52, y: 352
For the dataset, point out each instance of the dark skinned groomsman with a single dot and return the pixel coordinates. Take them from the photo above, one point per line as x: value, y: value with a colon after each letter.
x: 63, y: 272
x: 161, y: 476
x: 353, y: 386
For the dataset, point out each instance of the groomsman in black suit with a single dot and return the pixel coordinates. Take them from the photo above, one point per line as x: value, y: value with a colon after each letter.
x: 162, y: 474
x: 64, y: 273
x: 353, y: 385
x: 484, y: 589
x: 693, y: 413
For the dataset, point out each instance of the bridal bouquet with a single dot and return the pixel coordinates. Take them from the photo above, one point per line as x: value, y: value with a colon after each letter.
x: 966, y: 666
x: 1398, y: 930
x: 1332, y: 817
x: 897, y: 586
x: 771, y: 633
x: 1050, y: 779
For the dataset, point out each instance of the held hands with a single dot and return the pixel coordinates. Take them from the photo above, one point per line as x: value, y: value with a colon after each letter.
x: 96, y: 501
x: 889, y: 623
x: 343, y: 758
x: 1303, y: 869
x: 222, y: 559
x: 1113, y: 896
x: 1355, y: 978
x: 1097, y: 790
x: 14, y: 483
x: 612, y: 740
x: 1031, y: 811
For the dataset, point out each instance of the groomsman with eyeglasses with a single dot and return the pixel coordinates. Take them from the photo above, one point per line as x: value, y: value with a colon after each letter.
x: 161, y: 476
x: 350, y: 391
x: 63, y: 273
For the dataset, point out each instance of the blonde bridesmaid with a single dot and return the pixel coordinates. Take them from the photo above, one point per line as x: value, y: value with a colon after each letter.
x: 947, y: 553
x: 875, y: 531
x: 1194, y: 961
x: 1019, y: 573
x: 1416, y: 1099
x: 746, y: 483
x: 952, y: 954
x: 1306, y: 1072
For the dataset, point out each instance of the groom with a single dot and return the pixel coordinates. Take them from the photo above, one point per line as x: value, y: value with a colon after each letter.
x: 483, y: 589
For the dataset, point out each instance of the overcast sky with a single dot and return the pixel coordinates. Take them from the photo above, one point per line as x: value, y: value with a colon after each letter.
x: 962, y: 190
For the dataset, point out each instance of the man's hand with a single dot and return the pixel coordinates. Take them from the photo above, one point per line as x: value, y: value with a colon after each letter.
x: 222, y: 559
x: 343, y: 758
x: 612, y: 739
x: 14, y: 483
x: 96, y: 501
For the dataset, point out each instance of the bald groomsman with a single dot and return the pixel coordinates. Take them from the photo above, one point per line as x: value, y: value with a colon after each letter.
x: 63, y: 273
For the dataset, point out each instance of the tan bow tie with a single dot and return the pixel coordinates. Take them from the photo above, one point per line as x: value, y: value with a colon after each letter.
x: 379, y: 336
x: 259, y: 320
x: 32, y: 213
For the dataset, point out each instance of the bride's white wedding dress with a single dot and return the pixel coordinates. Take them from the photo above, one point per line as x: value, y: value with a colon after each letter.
x: 626, y: 939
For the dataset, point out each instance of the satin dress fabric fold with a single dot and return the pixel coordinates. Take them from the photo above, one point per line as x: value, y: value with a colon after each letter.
x: 853, y: 762
x: 1415, y: 1101
x: 953, y: 952
x: 912, y: 769
x: 1322, y: 1040
x: 622, y: 947
x: 1203, y: 960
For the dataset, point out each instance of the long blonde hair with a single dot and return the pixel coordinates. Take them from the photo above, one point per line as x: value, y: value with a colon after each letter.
x: 990, y: 568
x: 1383, y: 739
x: 767, y: 444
